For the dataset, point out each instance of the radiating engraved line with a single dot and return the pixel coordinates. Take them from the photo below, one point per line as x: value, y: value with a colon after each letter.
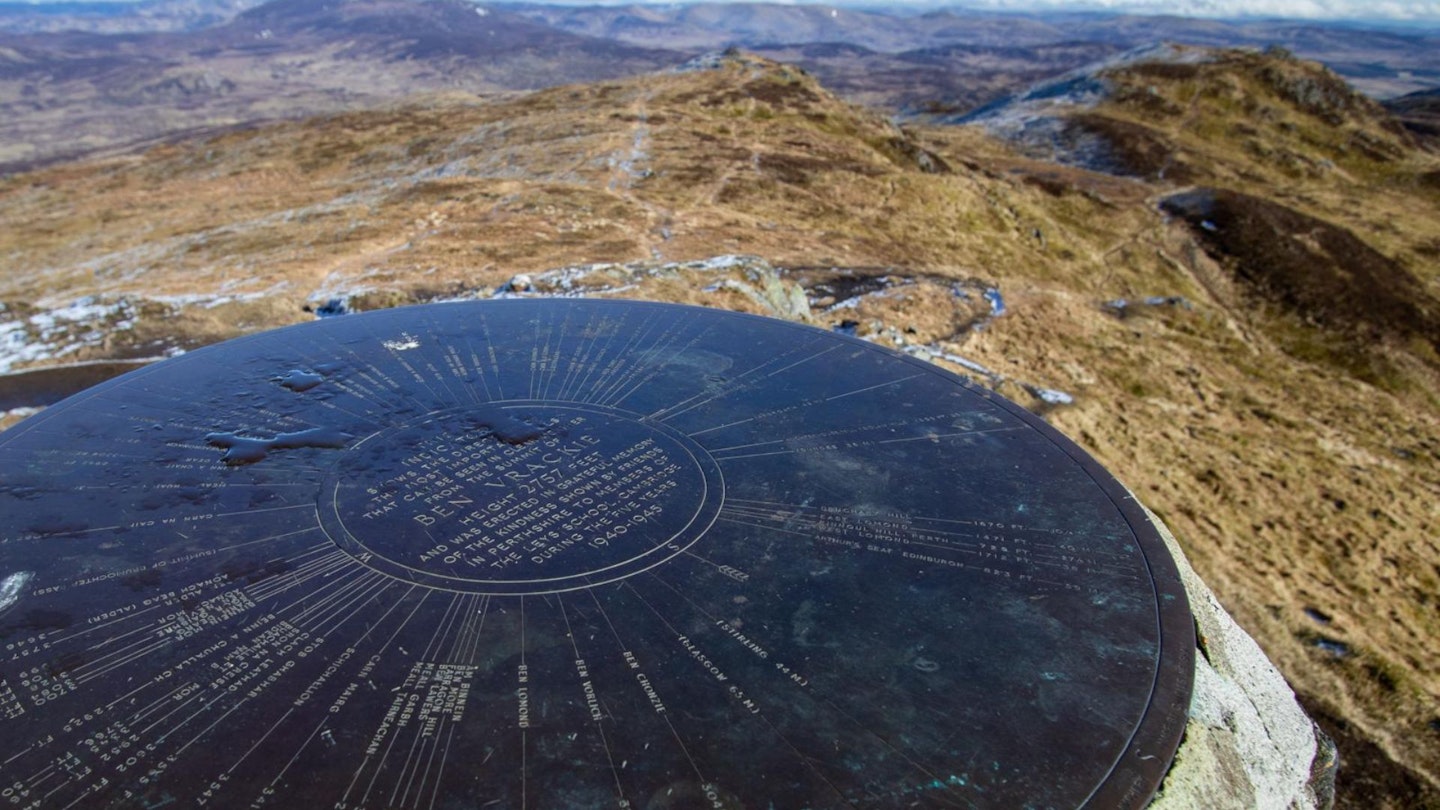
x: 267, y: 589
x: 440, y: 776
x: 658, y: 367
x: 370, y: 627
x: 475, y: 642
x: 735, y: 387
x: 361, y: 591
x: 330, y: 597
x: 442, y: 627
x: 398, y: 358
x: 322, y: 568
x: 457, y: 367
x: 601, y: 357
x: 551, y: 353
x: 259, y: 742
x: 210, y: 727
x: 362, y: 417
x: 934, y: 436
x: 814, y: 521
x: 454, y: 399
x: 155, y: 705
x: 354, y: 779
x: 739, y: 381
x: 536, y: 354
x: 743, y: 506
x: 674, y: 632
x: 861, y: 430
x: 666, y: 717
x: 250, y: 512
x: 578, y: 361
x: 436, y: 401
x: 473, y: 363
x: 803, y: 757
x: 441, y: 350
x: 41, y: 775
x: 167, y: 715
x: 468, y: 656
x: 494, y: 360
x: 826, y: 399
x: 142, y: 687
x: 380, y: 766
x: 383, y: 404
x: 430, y: 760
x: 416, y: 741
x: 617, y: 372
x: 929, y: 437
x: 324, y: 595
x: 771, y: 503
x: 466, y: 627
x: 644, y: 373
x: 94, y: 627
x: 119, y: 658
x: 574, y: 645
x: 298, y: 751
x: 764, y: 527
x: 274, y: 537
x: 85, y: 794
x: 423, y: 596
x: 810, y: 763
x: 702, y: 559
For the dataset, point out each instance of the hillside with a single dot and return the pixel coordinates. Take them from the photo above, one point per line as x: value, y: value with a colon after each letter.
x: 68, y: 93
x: 87, y: 79
x: 1145, y: 292
x: 1382, y: 63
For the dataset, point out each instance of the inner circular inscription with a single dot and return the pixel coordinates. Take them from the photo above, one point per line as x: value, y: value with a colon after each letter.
x: 521, y: 498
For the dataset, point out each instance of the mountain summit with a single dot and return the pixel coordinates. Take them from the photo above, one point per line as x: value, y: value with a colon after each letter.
x: 1218, y: 273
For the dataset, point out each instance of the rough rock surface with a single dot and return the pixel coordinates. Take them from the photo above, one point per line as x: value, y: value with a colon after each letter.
x: 1248, y: 743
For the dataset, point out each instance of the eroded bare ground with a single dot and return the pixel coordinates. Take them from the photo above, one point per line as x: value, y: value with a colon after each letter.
x: 1293, y: 447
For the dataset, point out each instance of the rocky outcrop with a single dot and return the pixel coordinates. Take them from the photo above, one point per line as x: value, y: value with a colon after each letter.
x: 1248, y: 744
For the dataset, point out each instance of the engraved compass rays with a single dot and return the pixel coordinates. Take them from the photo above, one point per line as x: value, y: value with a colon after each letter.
x: 531, y: 554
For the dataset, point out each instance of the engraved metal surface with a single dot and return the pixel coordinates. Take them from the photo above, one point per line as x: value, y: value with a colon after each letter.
x: 573, y: 554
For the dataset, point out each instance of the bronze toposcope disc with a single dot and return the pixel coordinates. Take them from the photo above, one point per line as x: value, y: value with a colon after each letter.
x: 573, y: 554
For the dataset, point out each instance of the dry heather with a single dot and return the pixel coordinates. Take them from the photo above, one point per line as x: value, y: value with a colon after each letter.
x: 1300, y: 470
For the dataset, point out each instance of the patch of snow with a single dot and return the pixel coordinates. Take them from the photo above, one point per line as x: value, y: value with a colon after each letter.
x: 1082, y: 87
x: 1122, y: 306
x: 1035, y: 119
x: 1052, y: 397
x: 213, y: 301
x: 713, y: 60
x: 19, y: 413
x: 62, y: 331
x: 997, y: 302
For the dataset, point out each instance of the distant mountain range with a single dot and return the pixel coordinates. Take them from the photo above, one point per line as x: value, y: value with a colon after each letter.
x: 76, y: 78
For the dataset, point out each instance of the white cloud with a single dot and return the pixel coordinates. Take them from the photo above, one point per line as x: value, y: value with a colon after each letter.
x: 1412, y: 10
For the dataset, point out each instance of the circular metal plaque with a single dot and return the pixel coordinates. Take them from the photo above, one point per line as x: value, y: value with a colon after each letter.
x: 573, y: 554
